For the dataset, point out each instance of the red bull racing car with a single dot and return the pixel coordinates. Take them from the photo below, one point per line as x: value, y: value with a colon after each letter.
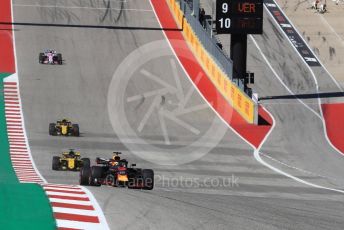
x: 50, y: 56
x: 115, y: 172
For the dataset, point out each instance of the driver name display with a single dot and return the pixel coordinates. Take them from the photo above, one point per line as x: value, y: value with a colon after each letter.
x: 239, y: 16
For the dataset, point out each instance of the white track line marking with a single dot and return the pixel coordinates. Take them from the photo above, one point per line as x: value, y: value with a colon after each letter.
x: 278, y: 77
x: 256, y: 153
x: 295, y: 28
x: 75, y: 211
x: 19, y: 167
x: 67, y: 191
x: 27, y: 175
x: 296, y: 168
x: 21, y: 161
x: 312, y: 73
x: 20, y: 157
x: 260, y: 160
x: 63, y: 189
x: 26, y: 172
x: 256, y: 150
x: 61, y: 185
x: 333, y: 30
x: 79, y: 202
x: 101, y: 216
x: 78, y: 225
x: 66, y: 194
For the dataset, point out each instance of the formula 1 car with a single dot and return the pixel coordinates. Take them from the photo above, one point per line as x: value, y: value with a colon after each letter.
x: 50, y: 56
x: 64, y: 127
x: 70, y: 161
x: 115, y: 172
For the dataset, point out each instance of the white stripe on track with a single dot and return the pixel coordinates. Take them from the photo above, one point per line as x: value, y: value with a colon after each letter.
x: 27, y: 173
x: 64, y: 201
x: 16, y: 158
x: 79, y: 225
x: 66, y: 194
x: 60, y: 186
x: 29, y: 178
x: 29, y: 170
x: 64, y: 189
x: 32, y: 182
x: 76, y: 211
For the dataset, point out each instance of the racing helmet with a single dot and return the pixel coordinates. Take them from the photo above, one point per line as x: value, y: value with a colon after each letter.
x: 116, y: 157
x: 71, y: 153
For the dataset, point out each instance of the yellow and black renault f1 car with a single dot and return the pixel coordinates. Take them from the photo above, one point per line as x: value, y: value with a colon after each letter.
x: 64, y: 127
x: 70, y: 161
x: 115, y: 172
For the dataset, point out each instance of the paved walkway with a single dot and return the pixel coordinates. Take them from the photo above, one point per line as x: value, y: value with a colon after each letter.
x: 323, y: 32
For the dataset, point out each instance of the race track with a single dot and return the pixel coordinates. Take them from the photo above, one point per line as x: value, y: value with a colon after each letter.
x: 95, y: 51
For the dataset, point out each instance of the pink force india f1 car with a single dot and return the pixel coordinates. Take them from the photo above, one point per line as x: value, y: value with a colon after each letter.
x: 50, y: 56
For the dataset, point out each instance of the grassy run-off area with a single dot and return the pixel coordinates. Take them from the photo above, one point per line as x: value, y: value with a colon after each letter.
x: 22, y: 206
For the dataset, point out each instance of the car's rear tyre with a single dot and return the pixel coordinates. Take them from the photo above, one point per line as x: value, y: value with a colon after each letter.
x: 85, y: 174
x: 76, y: 130
x: 56, y: 163
x: 133, y: 179
x: 41, y: 58
x: 59, y: 59
x: 96, y: 175
x: 52, y: 129
x: 86, y: 162
x: 148, y: 179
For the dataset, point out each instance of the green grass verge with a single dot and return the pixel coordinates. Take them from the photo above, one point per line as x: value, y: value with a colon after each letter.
x: 7, y: 173
x: 25, y: 206
x: 22, y: 206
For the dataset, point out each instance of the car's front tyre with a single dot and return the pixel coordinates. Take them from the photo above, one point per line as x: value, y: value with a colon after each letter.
x: 56, y: 163
x: 85, y: 174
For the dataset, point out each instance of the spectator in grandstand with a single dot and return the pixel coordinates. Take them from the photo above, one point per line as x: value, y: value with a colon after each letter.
x: 202, y: 16
x: 315, y: 4
x: 322, y: 9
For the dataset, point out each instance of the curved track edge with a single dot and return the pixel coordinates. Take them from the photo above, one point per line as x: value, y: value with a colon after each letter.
x: 254, y: 134
x: 73, y: 207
